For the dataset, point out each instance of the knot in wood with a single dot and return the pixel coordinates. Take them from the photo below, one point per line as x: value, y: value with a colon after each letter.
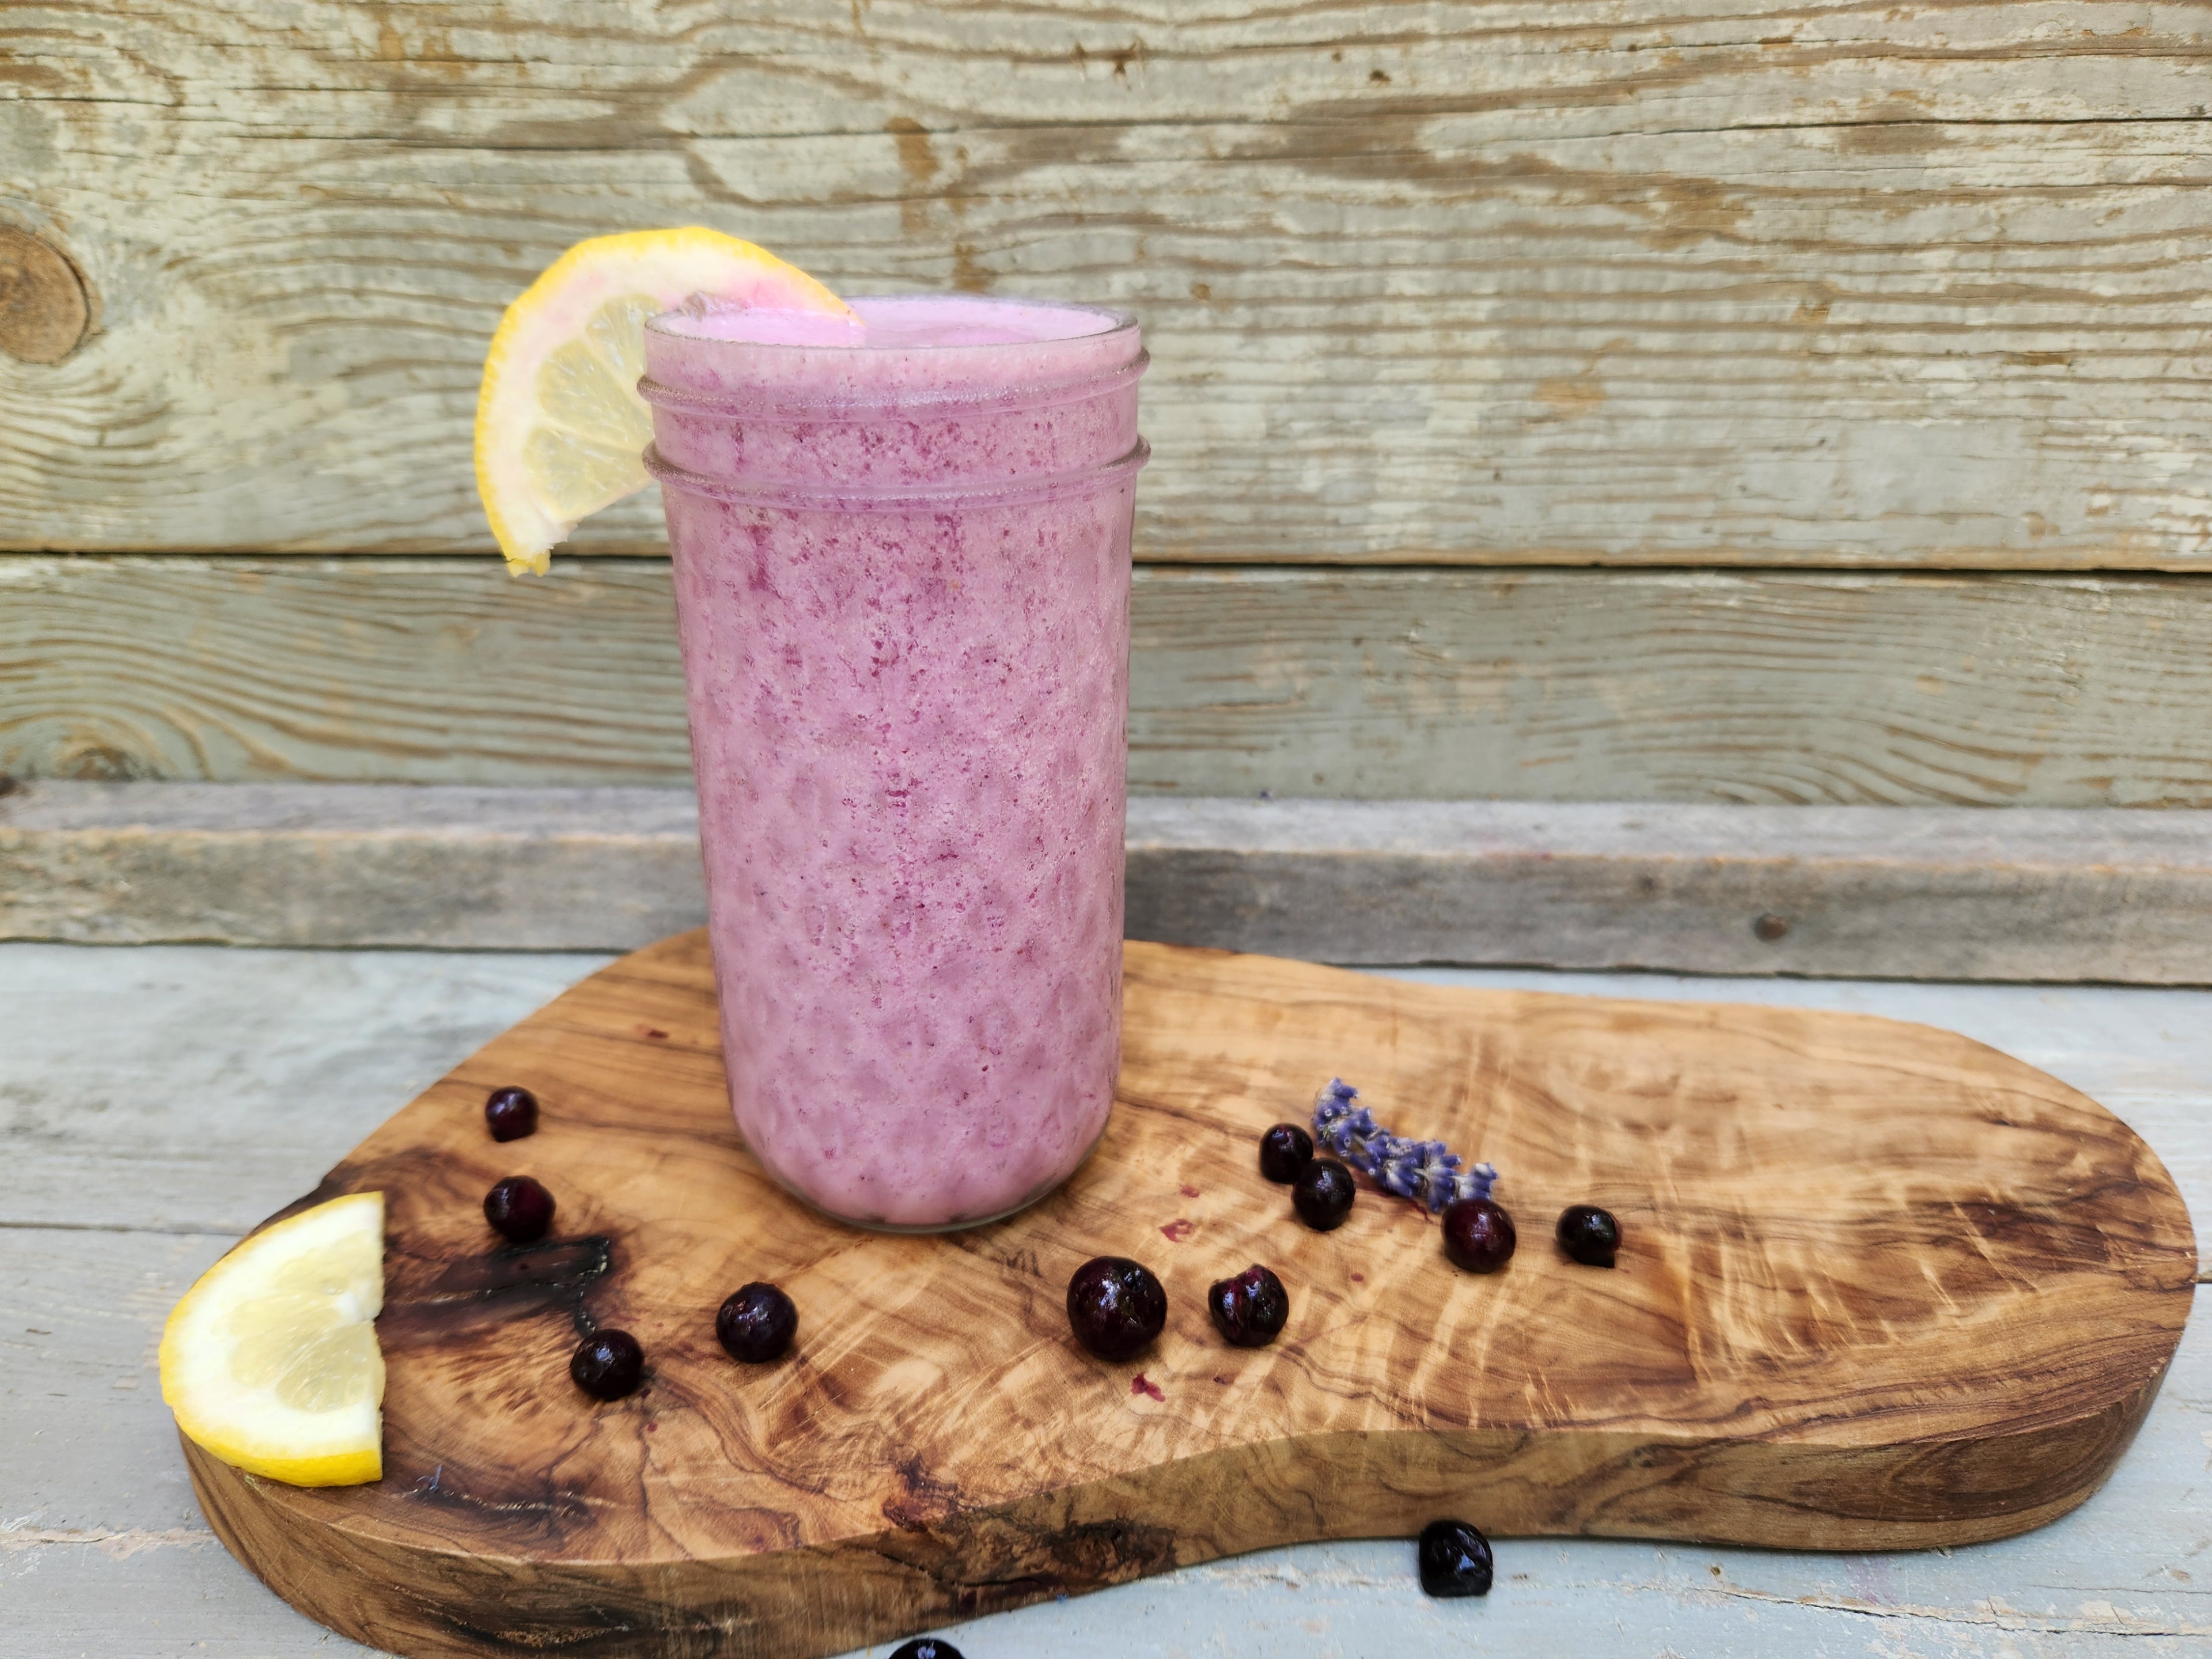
x: 44, y: 309
x: 1771, y: 927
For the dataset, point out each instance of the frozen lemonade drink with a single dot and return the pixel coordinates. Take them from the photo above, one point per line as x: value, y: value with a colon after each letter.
x: 901, y: 536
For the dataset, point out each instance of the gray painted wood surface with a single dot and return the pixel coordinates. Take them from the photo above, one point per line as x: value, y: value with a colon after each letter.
x: 1896, y: 892
x: 158, y: 1101
x: 1548, y: 281
x: 1902, y: 892
x: 1781, y: 689
x: 441, y: 865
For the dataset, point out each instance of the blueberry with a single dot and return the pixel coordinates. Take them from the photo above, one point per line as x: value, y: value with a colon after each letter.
x: 1478, y: 1235
x: 518, y: 1209
x: 1283, y: 1151
x: 1249, y: 1309
x: 608, y: 1365
x: 1115, y: 1306
x: 1455, y: 1560
x: 756, y: 1324
x: 510, y: 1113
x: 1589, y: 1235
x: 925, y: 1647
x: 1322, y: 1194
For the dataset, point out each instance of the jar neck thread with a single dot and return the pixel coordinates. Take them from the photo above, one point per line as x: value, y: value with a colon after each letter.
x: 816, y: 497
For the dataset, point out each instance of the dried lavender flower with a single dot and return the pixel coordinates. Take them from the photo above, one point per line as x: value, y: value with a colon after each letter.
x: 1425, y: 1171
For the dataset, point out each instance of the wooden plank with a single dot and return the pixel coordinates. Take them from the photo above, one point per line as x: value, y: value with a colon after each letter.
x: 1899, y: 892
x: 1787, y: 688
x: 191, y: 1092
x: 1674, y: 686
x: 1683, y: 283
x: 103, y: 1550
x: 324, y: 864
x: 1911, y: 893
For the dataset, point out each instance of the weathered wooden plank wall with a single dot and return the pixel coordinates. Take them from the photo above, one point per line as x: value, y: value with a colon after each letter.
x: 1876, y: 338
x: 1730, y: 686
x: 1511, y: 281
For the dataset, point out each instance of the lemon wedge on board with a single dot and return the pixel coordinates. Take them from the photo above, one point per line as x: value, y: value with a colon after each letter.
x: 270, y: 1362
x: 559, y: 427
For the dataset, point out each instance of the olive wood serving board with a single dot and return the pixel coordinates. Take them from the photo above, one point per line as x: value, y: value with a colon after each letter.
x: 1881, y: 1287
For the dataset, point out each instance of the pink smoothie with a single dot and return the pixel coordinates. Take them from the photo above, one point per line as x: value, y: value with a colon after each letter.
x: 902, y: 556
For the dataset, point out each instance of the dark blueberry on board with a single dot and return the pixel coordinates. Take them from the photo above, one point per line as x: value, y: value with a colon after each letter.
x: 1322, y: 1194
x: 1283, y: 1151
x: 518, y: 1209
x: 1115, y: 1306
x: 925, y: 1647
x: 756, y: 1324
x: 1455, y: 1560
x: 1249, y: 1309
x: 1589, y: 1235
x: 608, y: 1365
x: 511, y: 1114
x: 1478, y: 1235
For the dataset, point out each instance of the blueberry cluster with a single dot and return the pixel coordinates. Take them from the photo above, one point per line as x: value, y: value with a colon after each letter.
x: 755, y: 1324
x: 1322, y: 1190
x: 1478, y: 1237
x: 1116, y: 1307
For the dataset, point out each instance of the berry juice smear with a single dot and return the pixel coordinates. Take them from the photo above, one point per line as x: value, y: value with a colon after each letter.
x: 901, y: 556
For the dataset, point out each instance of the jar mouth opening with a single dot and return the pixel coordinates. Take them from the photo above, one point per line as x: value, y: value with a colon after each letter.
x: 1050, y: 323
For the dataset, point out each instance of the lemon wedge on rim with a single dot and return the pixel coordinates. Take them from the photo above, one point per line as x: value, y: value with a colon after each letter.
x: 559, y: 427
x: 270, y: 1362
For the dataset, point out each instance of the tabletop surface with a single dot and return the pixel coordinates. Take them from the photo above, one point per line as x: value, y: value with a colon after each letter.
x: 156, y: 1102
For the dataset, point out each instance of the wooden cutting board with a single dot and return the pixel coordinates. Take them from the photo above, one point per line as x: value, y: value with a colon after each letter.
x: 1882, y: 1287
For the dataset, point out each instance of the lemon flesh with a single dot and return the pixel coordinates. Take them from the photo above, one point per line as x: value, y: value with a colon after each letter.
x: 270, y: 1362
x: 560, y: 428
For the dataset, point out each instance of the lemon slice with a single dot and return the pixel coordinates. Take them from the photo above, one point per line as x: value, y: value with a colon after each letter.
x: 270, y: 1361
x: 559, y: 427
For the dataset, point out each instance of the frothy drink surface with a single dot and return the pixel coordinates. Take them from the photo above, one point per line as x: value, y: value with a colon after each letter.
x: 896, y: 325
x: 902, y: 575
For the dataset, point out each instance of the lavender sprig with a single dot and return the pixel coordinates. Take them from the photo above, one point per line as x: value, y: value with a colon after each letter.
x: 1425, y: 1171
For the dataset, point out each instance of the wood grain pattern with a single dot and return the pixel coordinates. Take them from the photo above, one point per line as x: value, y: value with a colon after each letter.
x: 160, y: 1091
x: 1788, y: 689
x: 1881, y: 1287
x: 1492, y: 281
x: 1893, y: 892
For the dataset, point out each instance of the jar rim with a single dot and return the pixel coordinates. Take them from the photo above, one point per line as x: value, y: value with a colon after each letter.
x: 1118, y: 322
